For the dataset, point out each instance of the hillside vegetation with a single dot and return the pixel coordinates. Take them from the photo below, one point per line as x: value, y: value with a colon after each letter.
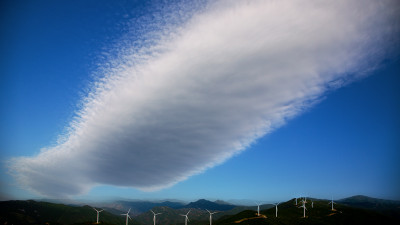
x: 355, y: 210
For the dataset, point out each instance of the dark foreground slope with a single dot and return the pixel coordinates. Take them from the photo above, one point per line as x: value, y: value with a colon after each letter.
x: 33, y: 212
x: 321, y: 213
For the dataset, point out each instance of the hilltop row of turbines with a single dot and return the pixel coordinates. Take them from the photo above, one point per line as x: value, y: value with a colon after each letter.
x: 154, y: 216
x: 303, y: 201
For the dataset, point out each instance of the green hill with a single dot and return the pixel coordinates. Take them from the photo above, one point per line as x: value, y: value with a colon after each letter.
x: 33, y: 212
x: 321, y: 213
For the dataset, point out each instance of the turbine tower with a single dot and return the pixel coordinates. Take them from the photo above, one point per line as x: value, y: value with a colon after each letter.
x: 127, y: 216
x: 304, y: 206
x: 211, y: 215
x: 296, y: 200
x: 186, y: 217
x: 332, y: 202
x: 276, y: 209
x: 98, y: 212
x: 154, y: 216
x: 258, y: 209
x: 312, y: 204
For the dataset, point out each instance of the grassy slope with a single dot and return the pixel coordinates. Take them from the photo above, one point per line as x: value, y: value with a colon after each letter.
x: 289, y: 213
x: 32, y: 212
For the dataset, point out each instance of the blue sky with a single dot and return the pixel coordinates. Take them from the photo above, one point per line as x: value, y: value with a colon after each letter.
x: 268, y: 109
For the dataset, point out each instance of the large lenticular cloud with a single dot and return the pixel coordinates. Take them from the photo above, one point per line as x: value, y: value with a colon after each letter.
x: 208, y: 89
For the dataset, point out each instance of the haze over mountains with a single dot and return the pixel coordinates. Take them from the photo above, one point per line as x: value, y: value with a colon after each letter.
x: 352, y: 210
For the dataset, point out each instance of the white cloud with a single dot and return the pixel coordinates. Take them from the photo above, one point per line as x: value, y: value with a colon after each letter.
x: 229, y: 75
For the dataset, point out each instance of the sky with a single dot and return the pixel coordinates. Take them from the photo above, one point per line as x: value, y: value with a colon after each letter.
x: 232, y: 100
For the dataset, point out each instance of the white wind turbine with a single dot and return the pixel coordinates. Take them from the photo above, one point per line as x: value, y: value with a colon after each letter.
x: 276, y: 209
x: 154, y: 216
x: 332, y: 202
x: 211, y: 215
x: 304, y: 206
x: 312, y: 204
x: 186, y: 217
x: 296, y: 200
x: 258, y: 209
x: 98, y: 212
x: 127, y: 216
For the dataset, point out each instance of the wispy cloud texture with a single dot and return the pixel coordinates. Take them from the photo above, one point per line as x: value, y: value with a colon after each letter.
x: 207, y: 89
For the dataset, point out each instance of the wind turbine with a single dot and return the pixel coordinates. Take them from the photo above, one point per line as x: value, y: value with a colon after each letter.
x: 304, y: 206
x: 312, y: 204
x: 127, y: 216
x: 186, y: 217
x: 276, y: 209
x: 211, y: 215
x: 332, y: 202
x: 98, y: 212
x: 154, y: 217
x: 258, y: 209
x: 296, y: 200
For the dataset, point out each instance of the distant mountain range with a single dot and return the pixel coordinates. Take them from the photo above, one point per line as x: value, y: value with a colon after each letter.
x: 366, y: 202
x: 138, y: 207
x: 353, y: 210
x: 205, y: 204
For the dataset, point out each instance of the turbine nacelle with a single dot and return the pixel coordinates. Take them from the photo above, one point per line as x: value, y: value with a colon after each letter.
x: 155, y: 214
x: 98, y: 211
x: 211, y: 212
